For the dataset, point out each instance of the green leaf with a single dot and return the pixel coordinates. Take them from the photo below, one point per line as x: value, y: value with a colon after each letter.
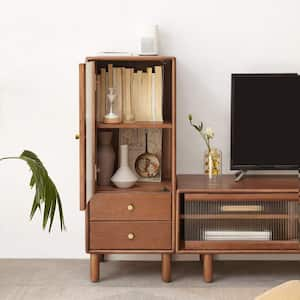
x: 46, y: 197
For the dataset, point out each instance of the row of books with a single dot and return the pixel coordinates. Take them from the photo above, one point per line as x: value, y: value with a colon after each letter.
x: 139, y: 93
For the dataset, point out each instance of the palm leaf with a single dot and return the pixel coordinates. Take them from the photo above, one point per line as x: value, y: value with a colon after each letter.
x: 46, y: 197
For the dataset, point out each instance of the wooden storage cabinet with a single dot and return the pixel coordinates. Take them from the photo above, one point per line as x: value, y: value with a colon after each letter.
x: 260, y: 214
x: 139, y: 219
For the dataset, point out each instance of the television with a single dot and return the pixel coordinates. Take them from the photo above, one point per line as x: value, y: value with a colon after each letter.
x: 265, y: 122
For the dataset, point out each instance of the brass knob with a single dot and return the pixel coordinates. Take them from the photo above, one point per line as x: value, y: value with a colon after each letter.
x: 131, y: 236
x: 77, y: 136
x: 130, y: 207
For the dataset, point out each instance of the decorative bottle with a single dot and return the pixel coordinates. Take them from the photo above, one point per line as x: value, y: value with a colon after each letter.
x: 124, y: 177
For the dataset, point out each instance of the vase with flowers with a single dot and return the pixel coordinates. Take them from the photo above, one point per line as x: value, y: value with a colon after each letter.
x: 212, y: 156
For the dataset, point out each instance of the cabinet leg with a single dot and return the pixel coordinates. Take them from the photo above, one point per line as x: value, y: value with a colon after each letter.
x: 94, y: 267
x: 166, y: 267
x: 208, y: 267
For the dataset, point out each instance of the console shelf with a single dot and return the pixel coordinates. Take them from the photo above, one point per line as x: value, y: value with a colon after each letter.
x: 135, y: 125
x: 259, y: 214
x: 238, y: 217
x: 164, y: 186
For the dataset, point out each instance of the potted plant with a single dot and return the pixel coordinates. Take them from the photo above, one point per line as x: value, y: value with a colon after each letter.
x: 212, y: 156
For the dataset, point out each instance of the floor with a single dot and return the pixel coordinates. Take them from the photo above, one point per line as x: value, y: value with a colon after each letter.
x: 69, y: 279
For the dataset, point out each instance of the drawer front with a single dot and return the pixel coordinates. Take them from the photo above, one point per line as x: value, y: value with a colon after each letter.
x: 130, y: 235
x: 131, y: 206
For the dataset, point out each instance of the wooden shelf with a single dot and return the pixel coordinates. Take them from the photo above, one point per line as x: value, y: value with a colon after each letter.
x: 241, y: 245
x: 129, y: 58
x: 135, y: 125
x: 238, y: 216
x: 164, y: 186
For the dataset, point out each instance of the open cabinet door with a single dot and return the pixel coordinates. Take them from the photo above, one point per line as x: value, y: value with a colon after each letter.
x: 87, y: 86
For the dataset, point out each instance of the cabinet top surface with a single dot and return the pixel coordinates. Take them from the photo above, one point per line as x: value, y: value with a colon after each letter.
x: 129, y: 58
x: 226, y: 183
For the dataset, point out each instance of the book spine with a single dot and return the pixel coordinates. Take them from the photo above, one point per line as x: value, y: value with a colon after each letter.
x: 159, y: 93
x: 110, y: 75
x: 117, y: 85
x: 148, y: 96
x: 127, y: 107
x: 98, y: 98
x: 102, y: 109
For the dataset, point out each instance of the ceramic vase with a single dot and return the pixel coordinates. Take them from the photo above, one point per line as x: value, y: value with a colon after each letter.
x: 106, y: 157
x: 124, y: 177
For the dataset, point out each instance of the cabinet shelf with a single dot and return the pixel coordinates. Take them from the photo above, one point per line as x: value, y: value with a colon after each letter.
x: 135, y: 125
x: 239, y: 216
x: 164, y: 186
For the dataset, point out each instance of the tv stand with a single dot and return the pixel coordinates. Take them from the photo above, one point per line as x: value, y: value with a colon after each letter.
x: 239, y: 175
x: 259, y: 214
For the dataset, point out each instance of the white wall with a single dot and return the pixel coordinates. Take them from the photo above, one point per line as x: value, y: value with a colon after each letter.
x: 42, y: 43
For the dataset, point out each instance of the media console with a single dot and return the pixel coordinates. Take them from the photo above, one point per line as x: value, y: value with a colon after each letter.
x: 259, y: 214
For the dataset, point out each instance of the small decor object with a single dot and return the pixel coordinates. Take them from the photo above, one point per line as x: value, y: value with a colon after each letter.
x: 147, y: 165
x: 148, y: 40
x: 124, y: 177
x: 111, y: 117
x: 212, y: 156
x: 106, y: 157
x: 212, y: 162
x: 135, y: 139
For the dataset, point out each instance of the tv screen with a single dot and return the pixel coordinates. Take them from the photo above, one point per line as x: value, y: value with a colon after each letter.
x: 265, y: 112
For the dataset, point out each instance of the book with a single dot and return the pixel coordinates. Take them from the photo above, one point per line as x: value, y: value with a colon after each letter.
x: 98, y: 98
x: 117, y: 85
x: 158, y: 94
x: 103, y: 89
x: 110, y: 75
x: 128, y: 115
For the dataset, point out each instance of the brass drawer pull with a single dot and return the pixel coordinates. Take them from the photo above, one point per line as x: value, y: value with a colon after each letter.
x: 77, y: 136
x: 131, y: 236
x: 130, y: 207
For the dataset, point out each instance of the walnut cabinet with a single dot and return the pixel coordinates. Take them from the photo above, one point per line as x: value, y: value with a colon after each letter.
x: 259, y: 214
x: 140, y: 219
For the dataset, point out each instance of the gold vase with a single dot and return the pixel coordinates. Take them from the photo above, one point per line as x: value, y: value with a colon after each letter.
x: 213, y: 163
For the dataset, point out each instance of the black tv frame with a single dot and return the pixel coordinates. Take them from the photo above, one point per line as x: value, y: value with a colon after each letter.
x: 233, y: 166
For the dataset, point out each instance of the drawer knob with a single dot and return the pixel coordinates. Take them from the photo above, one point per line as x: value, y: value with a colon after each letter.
x: 130, y: 207
x: 77, y: 136
x: 131, y: 236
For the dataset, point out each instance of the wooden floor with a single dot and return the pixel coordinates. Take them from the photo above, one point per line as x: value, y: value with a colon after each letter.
x: 69, y: 279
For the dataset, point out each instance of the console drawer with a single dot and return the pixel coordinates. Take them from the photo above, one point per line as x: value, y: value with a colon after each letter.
x: 131, y: 206
x: 130, y: 235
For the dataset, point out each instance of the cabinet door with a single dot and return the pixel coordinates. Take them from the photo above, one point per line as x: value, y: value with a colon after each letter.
x: 87, y: 86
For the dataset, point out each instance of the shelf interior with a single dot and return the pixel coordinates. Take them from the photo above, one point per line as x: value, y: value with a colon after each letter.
x: 164, y: 186
x: 135, y: 125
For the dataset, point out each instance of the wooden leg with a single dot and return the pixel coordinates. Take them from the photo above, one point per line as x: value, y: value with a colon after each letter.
x: 166, y: 267
x: 208, y: 267
x: 94, y: 267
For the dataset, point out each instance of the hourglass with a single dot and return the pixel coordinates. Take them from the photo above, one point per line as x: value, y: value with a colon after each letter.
x: 111, y: 117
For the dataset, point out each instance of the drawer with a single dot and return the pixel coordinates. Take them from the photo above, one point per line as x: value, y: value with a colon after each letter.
x: 130, y: 235
x: 131, y: 206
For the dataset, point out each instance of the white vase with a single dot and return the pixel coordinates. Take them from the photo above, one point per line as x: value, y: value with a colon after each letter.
x: 124, y: 178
